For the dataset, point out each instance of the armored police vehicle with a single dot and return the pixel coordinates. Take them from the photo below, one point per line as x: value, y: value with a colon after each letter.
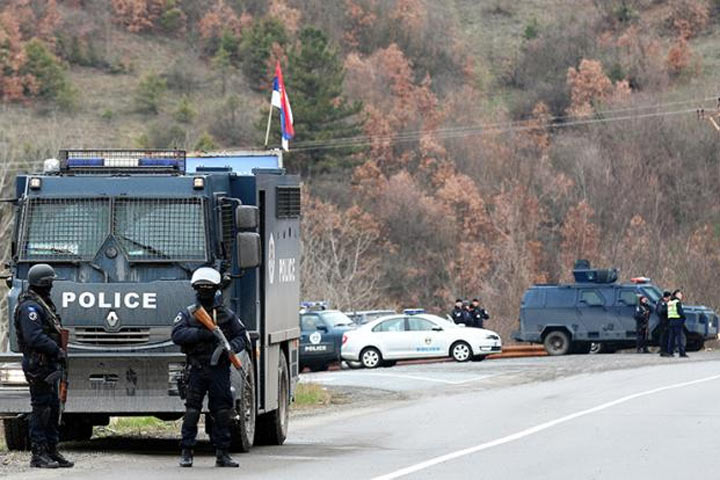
x: 569, y: 318
x: 321, y: 334
x: 125, y: 229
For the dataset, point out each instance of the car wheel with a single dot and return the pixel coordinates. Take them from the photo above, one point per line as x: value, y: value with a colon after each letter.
x: 557, y: 342
x: 370, y: 357
x: 460, y: 352
x: 596, y: 347
x: 353, y: 365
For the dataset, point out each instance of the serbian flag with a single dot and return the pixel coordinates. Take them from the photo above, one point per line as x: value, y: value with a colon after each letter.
x: 280, y: 100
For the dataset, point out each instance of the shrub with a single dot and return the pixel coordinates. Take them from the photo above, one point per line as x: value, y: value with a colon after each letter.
x: 149, y: 93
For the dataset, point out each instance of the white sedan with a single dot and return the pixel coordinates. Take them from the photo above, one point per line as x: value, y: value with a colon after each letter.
x: 407, y: 337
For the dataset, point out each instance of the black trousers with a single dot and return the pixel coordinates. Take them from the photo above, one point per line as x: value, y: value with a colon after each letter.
x: 675, y: 337
x: 215, y: 382
x: 663, y: 331
x: 45, y: 404
x: 641, y: 341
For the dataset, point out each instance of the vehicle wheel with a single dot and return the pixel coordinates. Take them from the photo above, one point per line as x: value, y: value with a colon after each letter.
x: 370, y: 357
x: 479, y: 358
x: 460, y: 351
x: 319, y: 367
x: 273, y: 427
x: 596, y: 347
x: 353, y: 365
x: 389, y: 363
x: 17, y: 433
x: 243, y: 426
x: 557, y: 342
x: 694, y: 344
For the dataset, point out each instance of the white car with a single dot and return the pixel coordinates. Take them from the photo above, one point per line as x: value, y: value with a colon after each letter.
x: 407, y: 337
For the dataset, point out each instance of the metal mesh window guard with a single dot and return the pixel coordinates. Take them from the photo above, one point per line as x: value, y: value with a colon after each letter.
x: 64, y: 228
x: 161, y: 229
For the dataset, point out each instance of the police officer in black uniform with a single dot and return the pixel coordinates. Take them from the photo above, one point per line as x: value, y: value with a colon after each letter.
x: 458, y: 313
x: 661, y: 309
x: 479, y: 314
x: 642, y: 324
x: 198, y: 343
x: 37, y: 326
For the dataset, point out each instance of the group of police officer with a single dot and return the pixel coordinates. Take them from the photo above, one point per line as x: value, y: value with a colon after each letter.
x: 38, y: 328
x: 671, y: 317
x: 469, y: 314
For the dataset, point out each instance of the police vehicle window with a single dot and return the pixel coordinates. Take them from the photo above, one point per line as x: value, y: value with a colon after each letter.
x: 64, y: 228
x: 419, y: 324
x: 311, y: 322
x: 392, y: 325
x: 337, y: 319
x: 628, y: 297
x: 653, y: 293
x: 591, y: 297
x: 561, y: 298
x: 534, y: 298
x: 160, y: 229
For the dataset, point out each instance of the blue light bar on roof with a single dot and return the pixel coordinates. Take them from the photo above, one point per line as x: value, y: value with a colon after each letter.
x: 85, y: 162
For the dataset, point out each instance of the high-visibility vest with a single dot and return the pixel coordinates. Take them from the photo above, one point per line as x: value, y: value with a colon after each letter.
x: 672, y: 309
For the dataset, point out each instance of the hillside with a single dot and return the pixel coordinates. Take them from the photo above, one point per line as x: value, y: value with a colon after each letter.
x: 459, y: 148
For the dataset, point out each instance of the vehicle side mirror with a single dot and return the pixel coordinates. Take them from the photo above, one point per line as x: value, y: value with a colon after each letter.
x: 246, y: 217
x: 248, y: 250
x: 437, y: 329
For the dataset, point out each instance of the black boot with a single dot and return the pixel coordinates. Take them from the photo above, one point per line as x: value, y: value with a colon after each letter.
x: 186, y: 457
x: 61, y: 461
x: 41, y: 459
x: 223, y: 459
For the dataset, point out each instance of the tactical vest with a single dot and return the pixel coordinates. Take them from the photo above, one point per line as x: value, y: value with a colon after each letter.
x: 672, y: 309
x: 51, y: 320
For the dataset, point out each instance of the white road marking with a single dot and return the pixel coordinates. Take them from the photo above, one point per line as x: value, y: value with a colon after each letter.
x: 413, y: 377
x: 533, y: 430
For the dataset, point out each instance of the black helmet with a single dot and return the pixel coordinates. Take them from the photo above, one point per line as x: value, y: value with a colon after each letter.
x: 41, y: 275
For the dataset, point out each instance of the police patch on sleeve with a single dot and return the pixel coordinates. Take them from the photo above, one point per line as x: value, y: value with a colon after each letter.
x: 178, y: 318
x: 32, y: 315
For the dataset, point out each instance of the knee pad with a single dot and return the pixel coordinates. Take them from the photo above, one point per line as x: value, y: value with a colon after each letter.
x: 224, y: 416
x: 192, y: 415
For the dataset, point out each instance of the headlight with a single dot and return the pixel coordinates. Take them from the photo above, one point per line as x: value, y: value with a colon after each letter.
x: 11, y: 375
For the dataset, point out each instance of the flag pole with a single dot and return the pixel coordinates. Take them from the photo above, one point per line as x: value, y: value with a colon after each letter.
x: 267, y: 132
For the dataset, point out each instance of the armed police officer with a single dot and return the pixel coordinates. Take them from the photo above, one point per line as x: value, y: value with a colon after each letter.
x: 38, y: 330
x: 642, y: 324
x: 676, y: 318
x: 205, y: 375
x: 458, y: 313
x: 478, y: 314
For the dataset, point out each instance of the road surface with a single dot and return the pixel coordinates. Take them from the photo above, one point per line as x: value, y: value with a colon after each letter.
x: 590, y: 417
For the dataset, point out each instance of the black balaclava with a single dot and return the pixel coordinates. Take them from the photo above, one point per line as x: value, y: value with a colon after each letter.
x: 206, y: 295
x: 43, y: 291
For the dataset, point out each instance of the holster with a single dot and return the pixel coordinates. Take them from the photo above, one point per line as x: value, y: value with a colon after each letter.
x: 182, y: 381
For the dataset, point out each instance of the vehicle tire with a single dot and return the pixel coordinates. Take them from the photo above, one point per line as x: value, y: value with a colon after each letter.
x: 479, y: 358
x: 389, y: 363
x: 596, y: 347
x: 371, y: 357
x: 17, y: 433
x: 320, y: 367
x: 694, y: 344
x: 353, y: 365
x: 272, y: 427
x: 460, y: 351
x: 242, y: 430
x: 557, y: 342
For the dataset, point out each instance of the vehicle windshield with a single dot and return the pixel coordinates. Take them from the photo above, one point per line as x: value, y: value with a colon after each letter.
x: 337, y: 319
x: 152, y: 229
x: 443, y: 322
x: 146, y: 229
x: 64, y: 228
x: 652, y: 292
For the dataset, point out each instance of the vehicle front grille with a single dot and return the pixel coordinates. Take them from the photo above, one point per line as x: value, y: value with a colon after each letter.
x: 98, y: 336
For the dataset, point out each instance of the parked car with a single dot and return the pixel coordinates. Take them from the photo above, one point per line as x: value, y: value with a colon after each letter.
x: 405, y: 337
x: 596, y: 313
x: 321, y: 335
x: 364, y: 316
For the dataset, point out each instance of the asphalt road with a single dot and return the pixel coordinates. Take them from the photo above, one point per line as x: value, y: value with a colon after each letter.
x: 590, y: 417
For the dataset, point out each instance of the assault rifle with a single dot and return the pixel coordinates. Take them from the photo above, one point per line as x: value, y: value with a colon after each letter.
x: 202, y: 316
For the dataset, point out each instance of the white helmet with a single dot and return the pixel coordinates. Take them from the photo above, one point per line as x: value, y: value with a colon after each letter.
x: 206, y: 276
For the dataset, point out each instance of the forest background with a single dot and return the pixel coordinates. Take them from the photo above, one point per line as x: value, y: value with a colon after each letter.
x: 454, y: 148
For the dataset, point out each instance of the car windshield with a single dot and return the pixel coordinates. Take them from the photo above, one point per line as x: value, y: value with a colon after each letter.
x: 444, y: 323
x: 337, y: 319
